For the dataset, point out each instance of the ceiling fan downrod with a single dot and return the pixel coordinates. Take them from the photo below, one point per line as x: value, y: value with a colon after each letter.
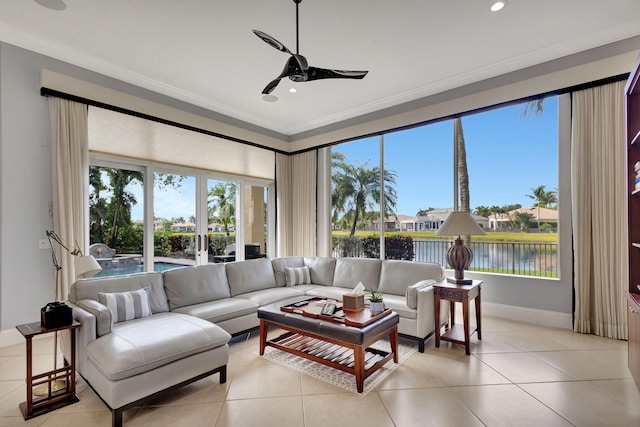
x: 297, y: 2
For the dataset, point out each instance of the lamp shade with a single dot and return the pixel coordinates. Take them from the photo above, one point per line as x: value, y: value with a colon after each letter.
x: 459, y: 224
x: 86, y: 266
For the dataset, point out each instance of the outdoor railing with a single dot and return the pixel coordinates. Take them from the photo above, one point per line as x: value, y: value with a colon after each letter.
x: 517, y: 258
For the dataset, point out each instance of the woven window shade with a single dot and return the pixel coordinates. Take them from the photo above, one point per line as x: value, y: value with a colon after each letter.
x: 121, y: 134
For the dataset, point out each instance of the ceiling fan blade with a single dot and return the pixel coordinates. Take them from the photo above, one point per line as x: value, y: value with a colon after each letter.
x: 271, y: 41
x: 271, y: 86
x: 315, y: 73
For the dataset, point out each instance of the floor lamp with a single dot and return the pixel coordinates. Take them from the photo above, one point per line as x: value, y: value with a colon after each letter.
x: 459, y: 256
x: 85, y: 266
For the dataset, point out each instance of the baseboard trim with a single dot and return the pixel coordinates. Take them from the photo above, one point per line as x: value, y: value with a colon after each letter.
x: 9, y: 337
x: 529, y: 315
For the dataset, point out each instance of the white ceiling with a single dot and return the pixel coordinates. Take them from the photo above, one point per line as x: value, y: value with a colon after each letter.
x: 203, y: 51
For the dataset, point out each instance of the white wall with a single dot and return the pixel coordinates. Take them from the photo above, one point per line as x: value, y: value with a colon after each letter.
x: 26, y: 274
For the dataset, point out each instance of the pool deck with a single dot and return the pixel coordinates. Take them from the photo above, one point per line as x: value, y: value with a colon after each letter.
x: 181, y: 261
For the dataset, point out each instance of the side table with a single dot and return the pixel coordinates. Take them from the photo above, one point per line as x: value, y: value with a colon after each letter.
x: 52, y: 399
x: 457, y: 293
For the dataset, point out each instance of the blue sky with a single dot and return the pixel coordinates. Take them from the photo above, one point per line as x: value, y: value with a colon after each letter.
x: 507, y: 157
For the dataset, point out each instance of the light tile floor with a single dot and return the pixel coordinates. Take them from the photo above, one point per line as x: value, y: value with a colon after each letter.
x: 519, y: 375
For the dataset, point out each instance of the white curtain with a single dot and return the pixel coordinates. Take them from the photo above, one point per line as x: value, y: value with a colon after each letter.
x: 70, y: 164
x: 296, y: 183
x: 598, y: 179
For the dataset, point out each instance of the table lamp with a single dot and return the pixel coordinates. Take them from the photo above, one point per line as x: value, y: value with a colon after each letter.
x: 459, y: 256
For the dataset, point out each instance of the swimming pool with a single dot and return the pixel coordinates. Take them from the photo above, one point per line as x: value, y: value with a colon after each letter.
x: 157, y: 266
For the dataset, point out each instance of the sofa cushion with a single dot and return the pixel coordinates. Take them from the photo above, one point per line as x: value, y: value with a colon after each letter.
x: 193, y: 285
x: 350, y: 271
x: 321, y: 269
x: 412, y: 292
x: 279, y: 265
x: 142, y: 345
x: 89, y: 288
x: 267, y: 296
x: 249, y: 276
x: 220, y: 310
x: 298, y: 276
x: 396, y: 276
x: 126, y: 305
x: 332, y: 292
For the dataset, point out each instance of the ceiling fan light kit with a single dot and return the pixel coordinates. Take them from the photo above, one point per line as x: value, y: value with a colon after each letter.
x: 297, y: 68
x: 498, y: 5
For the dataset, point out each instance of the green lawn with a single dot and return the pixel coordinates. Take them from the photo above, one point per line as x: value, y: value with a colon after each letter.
x: 492, y: 236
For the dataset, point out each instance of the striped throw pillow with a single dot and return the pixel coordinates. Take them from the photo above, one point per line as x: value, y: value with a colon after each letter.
x: 297, y: 276
x: 126, y: 305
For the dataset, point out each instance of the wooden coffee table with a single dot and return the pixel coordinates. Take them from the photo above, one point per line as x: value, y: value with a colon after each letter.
x: 341, y: 342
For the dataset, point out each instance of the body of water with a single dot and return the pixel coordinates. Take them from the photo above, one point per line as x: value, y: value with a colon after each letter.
x: 157, y: 266
x: 519, y: 258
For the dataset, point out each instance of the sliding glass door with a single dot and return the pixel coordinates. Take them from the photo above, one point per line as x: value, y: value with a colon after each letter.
x: 155, y: 218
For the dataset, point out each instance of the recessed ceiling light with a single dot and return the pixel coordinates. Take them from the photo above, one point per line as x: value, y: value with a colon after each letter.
x: 498, y: 5
x: 52, y: 4
x: 293, y: 90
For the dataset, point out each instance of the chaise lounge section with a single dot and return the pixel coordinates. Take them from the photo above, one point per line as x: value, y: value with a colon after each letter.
x: 129, y: 362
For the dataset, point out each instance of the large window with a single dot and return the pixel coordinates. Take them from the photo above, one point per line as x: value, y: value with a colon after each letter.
x: 511, y: 166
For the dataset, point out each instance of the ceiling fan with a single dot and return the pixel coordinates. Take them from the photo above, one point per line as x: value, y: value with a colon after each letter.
x: 297, y: 68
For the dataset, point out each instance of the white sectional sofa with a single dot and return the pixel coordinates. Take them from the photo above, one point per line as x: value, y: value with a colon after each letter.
x: 193, y: 312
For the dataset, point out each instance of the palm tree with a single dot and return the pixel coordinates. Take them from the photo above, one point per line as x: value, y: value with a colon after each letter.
x: 222, y: 201
x: 97, y: 205
x: 485, y: 211
x: 356, y: 188
x: 532, y: 108
x: 424, y: 212
x: 543, y: 198
x: 463, y: 173
x: 521, y: 220
x: 111, y: 219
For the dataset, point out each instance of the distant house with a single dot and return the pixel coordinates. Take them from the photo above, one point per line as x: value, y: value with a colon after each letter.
x: 436, y: 217
x: 214, y: 227
x: 219, y: 228
x: 430, y: 222
x: 157, y: 224
x: 184, y: 227
x: 502, y: 221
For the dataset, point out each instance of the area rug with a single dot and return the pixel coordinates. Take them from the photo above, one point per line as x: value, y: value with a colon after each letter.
x: 337, y: 377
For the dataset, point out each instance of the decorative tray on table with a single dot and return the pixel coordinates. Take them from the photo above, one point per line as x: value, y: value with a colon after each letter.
x: 313, y: 308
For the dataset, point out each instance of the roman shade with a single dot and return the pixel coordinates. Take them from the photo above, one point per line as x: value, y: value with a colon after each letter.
x: 114, y: 133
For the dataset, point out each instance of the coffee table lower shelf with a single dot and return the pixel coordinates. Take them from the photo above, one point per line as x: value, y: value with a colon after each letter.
x: 358, y: 360
x: 327, y: 353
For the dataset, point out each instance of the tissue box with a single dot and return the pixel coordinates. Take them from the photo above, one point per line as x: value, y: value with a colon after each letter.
x: 352, y: 302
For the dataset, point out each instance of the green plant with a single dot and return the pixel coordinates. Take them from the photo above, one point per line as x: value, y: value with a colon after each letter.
x: 396, y: 247
x: 375, y: 296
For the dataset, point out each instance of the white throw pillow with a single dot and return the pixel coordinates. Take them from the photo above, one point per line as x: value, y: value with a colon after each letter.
x: 126, y: 305
x: 412, y: 292
x: 297, y: 276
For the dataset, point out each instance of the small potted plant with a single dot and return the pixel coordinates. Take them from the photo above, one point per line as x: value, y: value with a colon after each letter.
x: 375, y: 302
